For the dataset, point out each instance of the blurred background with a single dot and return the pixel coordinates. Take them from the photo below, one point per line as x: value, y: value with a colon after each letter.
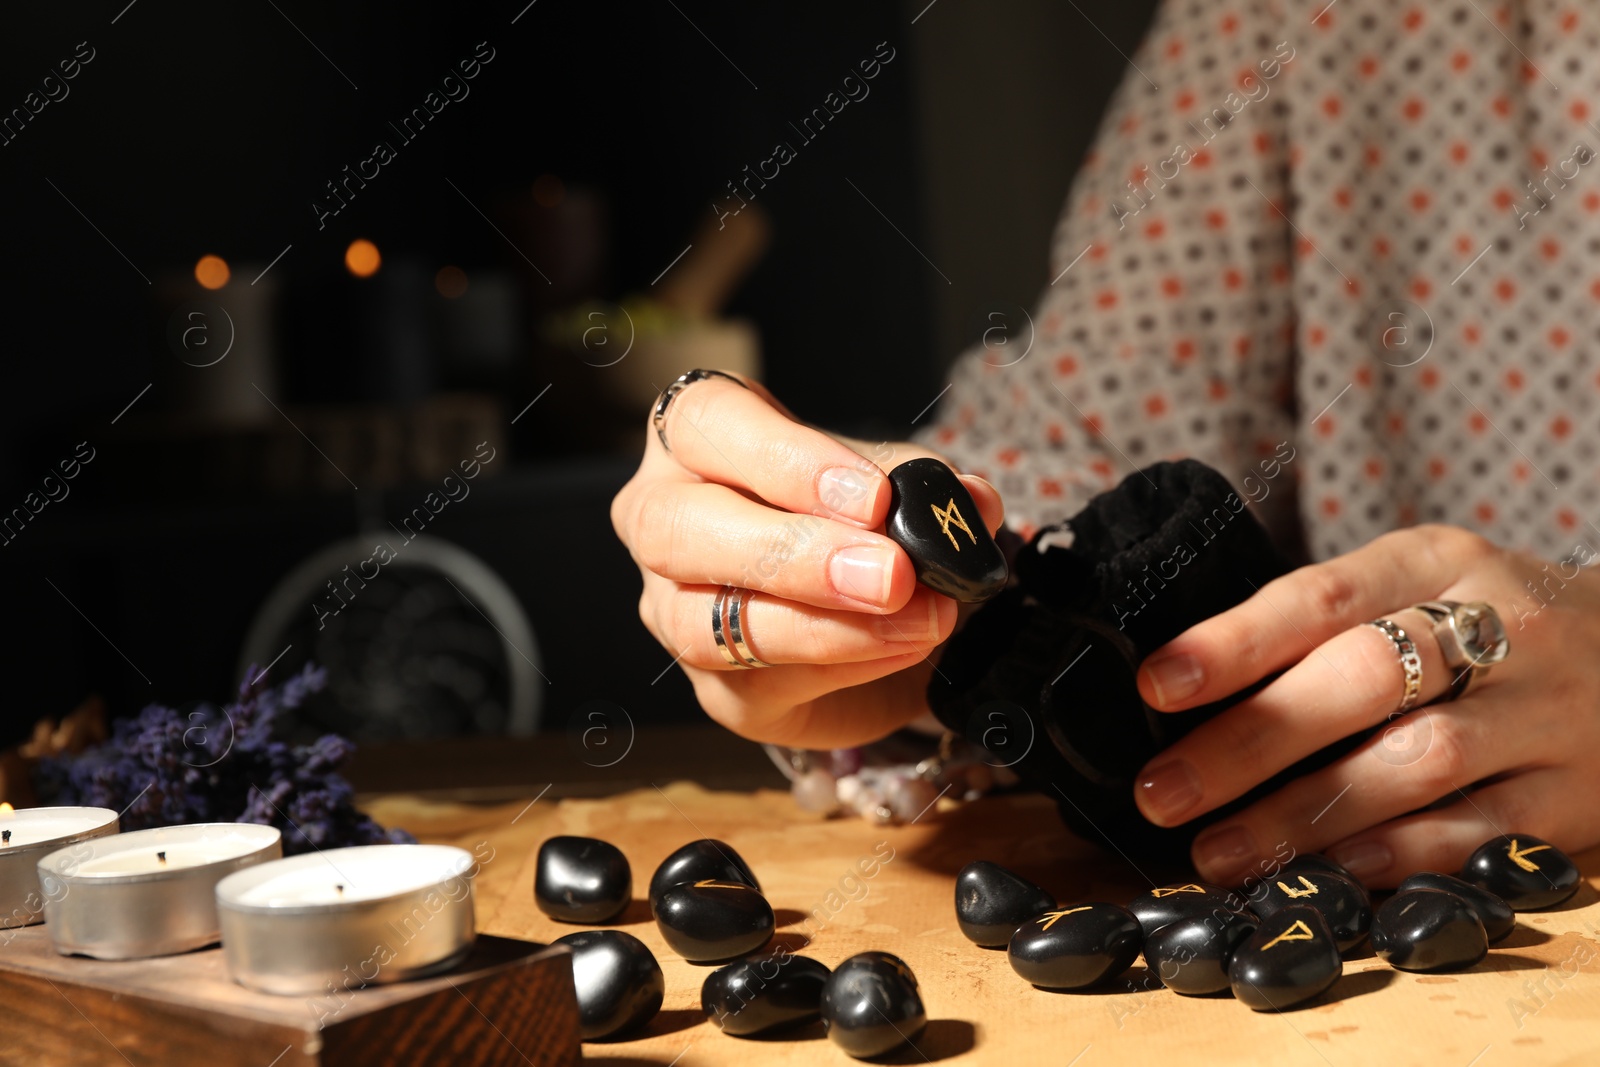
x: 287, y: 282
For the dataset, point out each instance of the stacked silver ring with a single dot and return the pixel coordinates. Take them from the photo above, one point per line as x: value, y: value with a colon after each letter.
x: 727, y: 627
x: 1410, y: 661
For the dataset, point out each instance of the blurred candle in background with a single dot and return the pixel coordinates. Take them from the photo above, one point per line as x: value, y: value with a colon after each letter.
x: 219, y: 362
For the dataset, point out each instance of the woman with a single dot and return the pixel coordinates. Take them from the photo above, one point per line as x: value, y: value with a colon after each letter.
x: 1369, y: 235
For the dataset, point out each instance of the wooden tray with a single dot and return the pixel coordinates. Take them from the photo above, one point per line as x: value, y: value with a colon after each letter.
x: 509, y: 1002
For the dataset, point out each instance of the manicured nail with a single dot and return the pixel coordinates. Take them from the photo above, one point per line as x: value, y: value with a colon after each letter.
x: 1367, y: 858
x: 1223, y: 854
x: 863, y: 572
x: 1167, y: 791
x: 1175, y: 677
x: 910, y: 625
x: 848, y: 494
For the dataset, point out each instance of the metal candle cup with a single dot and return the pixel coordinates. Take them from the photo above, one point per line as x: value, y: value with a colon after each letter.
x: 30, y: 835
x: 149, y: 892
x: 336, y: 920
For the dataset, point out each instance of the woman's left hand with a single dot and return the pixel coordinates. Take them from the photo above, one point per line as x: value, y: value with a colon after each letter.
x: 1519, y: 752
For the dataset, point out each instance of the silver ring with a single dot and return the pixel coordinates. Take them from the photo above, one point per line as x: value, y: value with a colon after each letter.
x: 727, y: 628
x: 1410, y: 662
x: 678, y: 385
x: 1471, y: 638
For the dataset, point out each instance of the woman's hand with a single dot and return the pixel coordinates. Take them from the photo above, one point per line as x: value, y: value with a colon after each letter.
x: 750, y: 497
x: 1519, y: 752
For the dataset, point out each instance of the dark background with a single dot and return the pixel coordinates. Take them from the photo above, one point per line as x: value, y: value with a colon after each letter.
x: 202, y: 128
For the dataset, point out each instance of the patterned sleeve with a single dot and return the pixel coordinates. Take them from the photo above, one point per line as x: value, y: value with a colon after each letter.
x: 1167, y: 327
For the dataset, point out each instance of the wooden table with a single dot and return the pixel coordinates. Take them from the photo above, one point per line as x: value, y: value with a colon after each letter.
x: 1535, y: 1000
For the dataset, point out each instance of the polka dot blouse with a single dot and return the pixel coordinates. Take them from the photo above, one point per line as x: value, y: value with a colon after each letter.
x: 1348, y: 254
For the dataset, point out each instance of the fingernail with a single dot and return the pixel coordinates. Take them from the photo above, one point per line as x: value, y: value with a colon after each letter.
x: 1167, y: 791
x: 1175, y: 677
x: 1222, y: 854
x: 846, y: 492
x: 1367, y: 858
x: 910, y: 626
x: 863, y: 572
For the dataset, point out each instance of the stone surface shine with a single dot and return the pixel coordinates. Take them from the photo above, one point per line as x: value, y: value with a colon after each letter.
x: 1496, y: 915
x: 1345, y: 904
x: 1291, y: 958
x: 763, y: 994
x: 710, y: 920
x: 1191, y: 955
x: 1077, y: 946
x: 991, y: 902
x: 698, y: 860
x: 871, y: 1005
x: 582, y: 880
x: 1428, y: 930
x: 1525, y: 872
x: 619, y: 983
x: 936, y: 521
x: 1184, y: 900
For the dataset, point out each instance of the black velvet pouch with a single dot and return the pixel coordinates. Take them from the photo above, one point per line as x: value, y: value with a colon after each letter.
x: 1043, y: 674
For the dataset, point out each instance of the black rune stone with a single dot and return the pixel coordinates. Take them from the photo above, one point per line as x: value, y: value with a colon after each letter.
x: 936, y: 521
x: 1496, y: 915
x: 1191, y: 956
x: 697, y: 861
x: 1185, y: 900
x: 871, y: 1005
x: 1290, y: 958
x: 1316, y: 861
x: 1525, y: 872
x: 1076, y: 947
x: 618, y: 980
x: 582, y: 880
x: 1428, y: 930
x: 1345, y: 904
x: 763, y: 994
x: 709, y: 920
x: 991, y: 903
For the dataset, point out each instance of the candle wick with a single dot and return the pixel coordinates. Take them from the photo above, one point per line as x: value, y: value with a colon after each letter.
x: 340, y: 888
x: 162, y: 856
x: 5, y: 837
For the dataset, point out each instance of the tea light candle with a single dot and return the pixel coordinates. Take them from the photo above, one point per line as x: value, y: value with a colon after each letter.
x: 334, y: 921
x: 30, y: 834
x: 149, y: 892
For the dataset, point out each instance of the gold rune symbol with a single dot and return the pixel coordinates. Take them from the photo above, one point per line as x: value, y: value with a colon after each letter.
x: 1048, y: 919
x: 1168, y: 891
x: 949, y: 516
x: 1309, y: 890
x: 1298, y: 932
x: 1520, y: 856
x: 712, y: 883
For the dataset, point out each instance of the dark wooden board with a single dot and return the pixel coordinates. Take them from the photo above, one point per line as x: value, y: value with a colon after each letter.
x: 509, y: 1002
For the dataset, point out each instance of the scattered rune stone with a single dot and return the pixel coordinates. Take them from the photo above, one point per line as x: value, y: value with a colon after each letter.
x: 871, y: 1005
x: 764, y: 994
x: 709, y: 920
x: 582, y: 880
x: 936, y: 521
x: 1184, y: 900
x: 991, y: 902
x: 1344, y: 903
x: 1191, y: 956
x: 1525, y: 872
x: 619, y: 982
x: 1291, y: 958
x: 1428, y: 930
x: 1076, y: 947
x: 698, y: 860
x: 1496, y: 915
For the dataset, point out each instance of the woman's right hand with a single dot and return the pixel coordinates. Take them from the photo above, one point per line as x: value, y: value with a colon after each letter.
x: 750, y: 497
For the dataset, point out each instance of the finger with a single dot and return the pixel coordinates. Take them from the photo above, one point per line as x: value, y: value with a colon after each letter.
x: 704, y: 534
x: 730, y: 435
x: 1446, y: 748
x: 818, y: 707
x: 1291, y: 615
x: 1348, y: 684
x: 782, y: 632
x: 1538, y: 802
